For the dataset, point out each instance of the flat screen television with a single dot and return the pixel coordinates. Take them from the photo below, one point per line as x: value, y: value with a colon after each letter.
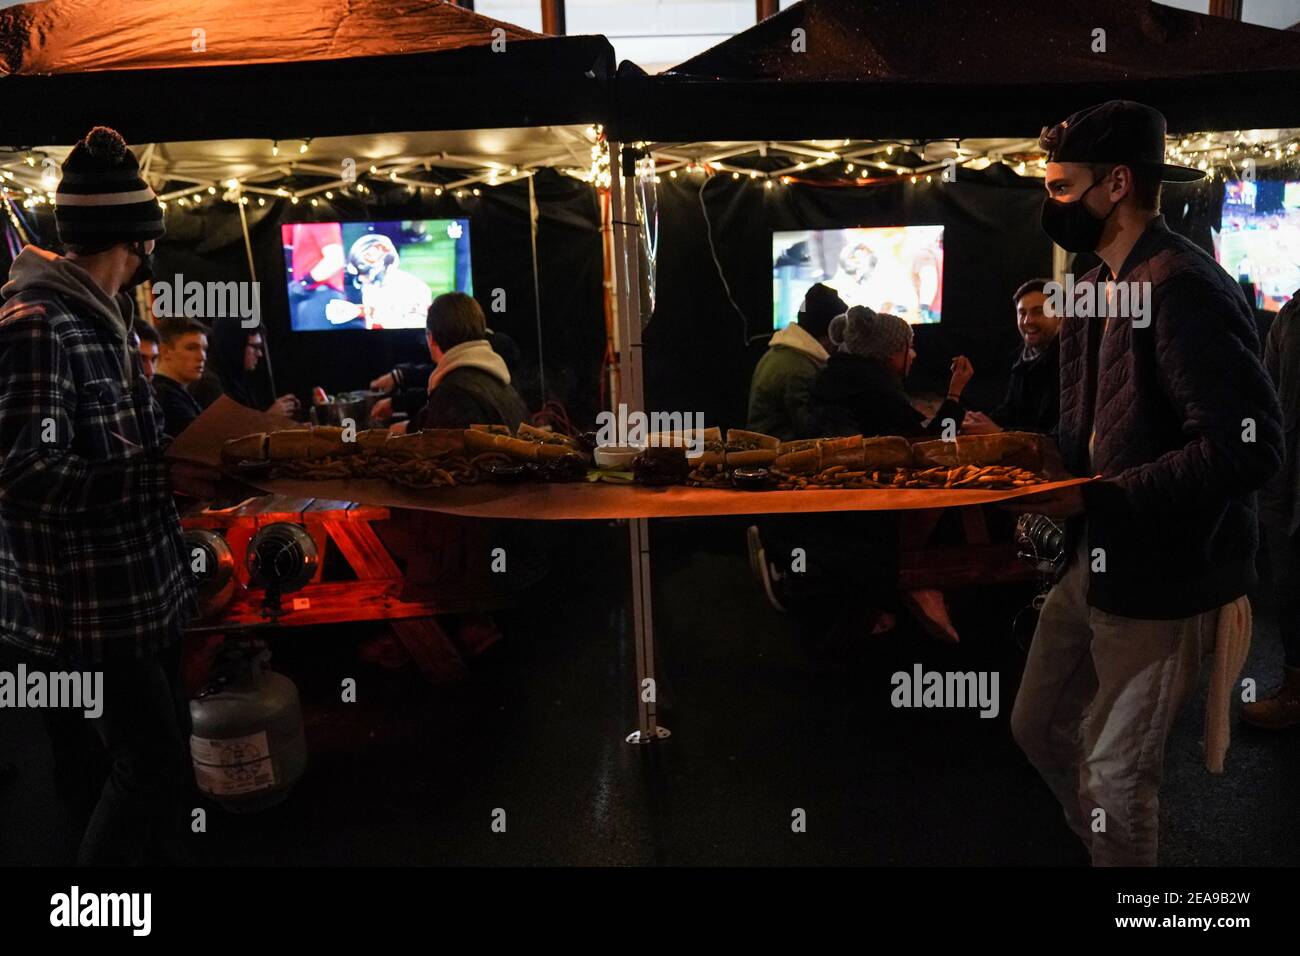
x: 1259, y: 238
x: 372, y: 275
x: 896, y: 269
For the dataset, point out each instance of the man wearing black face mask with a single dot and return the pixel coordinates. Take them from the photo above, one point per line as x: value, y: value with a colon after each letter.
x: 1164, y: 399
x: 93, y: 571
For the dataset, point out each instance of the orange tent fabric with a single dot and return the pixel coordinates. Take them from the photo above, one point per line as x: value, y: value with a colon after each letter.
x: 77, y: 36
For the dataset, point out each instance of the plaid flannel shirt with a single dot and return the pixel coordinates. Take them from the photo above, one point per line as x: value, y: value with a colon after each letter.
x: 92, y: 562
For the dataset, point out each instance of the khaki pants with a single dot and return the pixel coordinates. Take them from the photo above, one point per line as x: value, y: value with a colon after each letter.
x: 1099, y: 696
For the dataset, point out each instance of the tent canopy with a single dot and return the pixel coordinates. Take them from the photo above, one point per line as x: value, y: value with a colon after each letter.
x: 938, y: 68
x: 287, y: 69
x: 418, y: 159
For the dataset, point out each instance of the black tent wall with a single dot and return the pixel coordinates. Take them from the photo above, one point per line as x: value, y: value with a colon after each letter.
x: 207, y: 245
x: 700, y: 353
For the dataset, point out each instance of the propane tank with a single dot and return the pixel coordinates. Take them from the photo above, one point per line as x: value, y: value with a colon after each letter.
x: 247, y: 742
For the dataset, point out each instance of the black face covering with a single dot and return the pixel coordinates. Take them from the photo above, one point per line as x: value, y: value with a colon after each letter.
x: 144, y: 271
x: 1070, y: 225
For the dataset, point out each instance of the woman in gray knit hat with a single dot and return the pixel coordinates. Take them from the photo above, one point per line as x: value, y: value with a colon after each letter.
x: 860, y: 391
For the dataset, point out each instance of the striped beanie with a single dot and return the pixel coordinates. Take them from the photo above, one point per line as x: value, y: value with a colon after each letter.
x: 102, y: 199
x: 877, y: 335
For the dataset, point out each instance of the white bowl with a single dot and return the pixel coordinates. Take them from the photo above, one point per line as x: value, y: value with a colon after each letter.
x: 616, y: 456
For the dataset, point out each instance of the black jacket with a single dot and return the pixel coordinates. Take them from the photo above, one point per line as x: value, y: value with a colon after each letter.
x: 471, y: 396
x: 413, y: 377
x: 178, y: 406
x: 1033, y: 400
x: 226, y: 348
x: 853, y: 395
x: 1187, y: 428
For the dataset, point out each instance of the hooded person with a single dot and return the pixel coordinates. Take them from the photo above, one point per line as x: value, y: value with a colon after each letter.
x: 93, y: 568
x: 779, y: 403
x: 470, y: 383
x: 860, y: 391
x: 237, y: 368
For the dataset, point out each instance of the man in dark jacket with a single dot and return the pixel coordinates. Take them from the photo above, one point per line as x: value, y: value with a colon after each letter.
x: 470, y: 384
x: 180, y: 364
x: 1279, y: 512
x: 1033, y: 399
x: 93, y: 569
x: 408, y: 381
x: 779, y: 402
x: 1171, y: 408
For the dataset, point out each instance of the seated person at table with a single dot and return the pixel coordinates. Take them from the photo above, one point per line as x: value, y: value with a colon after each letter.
x: 147, y: 343
x: 408, y: 380
x: 471, y: 383
x: 180, y: 363
x: 779, y: 403
x: 860, y: 391
x: 1033, y: 401
x: 235, y: 369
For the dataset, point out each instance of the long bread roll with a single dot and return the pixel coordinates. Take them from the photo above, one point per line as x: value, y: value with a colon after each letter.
x: 290, y: 444
x: 245, y: 448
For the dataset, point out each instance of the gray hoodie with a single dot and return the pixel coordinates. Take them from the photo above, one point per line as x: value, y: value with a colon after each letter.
x: 42, y: 270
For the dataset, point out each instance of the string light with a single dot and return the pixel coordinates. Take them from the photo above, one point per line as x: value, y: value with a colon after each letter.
x: 275, y: 147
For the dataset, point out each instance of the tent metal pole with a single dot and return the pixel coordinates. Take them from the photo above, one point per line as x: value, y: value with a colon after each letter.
x: 252, y: 275
x: 627, y: 289
x: 537, y: 288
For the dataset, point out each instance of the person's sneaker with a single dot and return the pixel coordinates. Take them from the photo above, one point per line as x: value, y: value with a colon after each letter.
x: 771, y: 578
x: 755, y: 548
x: 931, y: 612
x: 1279, y: 712
x: 768, y: 576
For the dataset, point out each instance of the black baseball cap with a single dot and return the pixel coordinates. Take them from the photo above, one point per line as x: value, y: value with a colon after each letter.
x: 1117, y: 131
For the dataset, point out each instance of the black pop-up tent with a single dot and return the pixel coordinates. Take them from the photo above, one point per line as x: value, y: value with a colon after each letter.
x: 782, y: 128
x: 944, y: 68
x: 444, y: 112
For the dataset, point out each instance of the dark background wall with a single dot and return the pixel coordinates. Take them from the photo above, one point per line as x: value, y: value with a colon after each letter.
x: 701, y: 350
x: 206, y: 244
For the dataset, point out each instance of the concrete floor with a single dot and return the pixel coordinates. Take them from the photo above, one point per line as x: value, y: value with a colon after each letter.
x: 764, y: 719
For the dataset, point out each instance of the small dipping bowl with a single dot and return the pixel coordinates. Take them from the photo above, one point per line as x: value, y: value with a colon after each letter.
x: 752, y: 479
x: 616, y: 457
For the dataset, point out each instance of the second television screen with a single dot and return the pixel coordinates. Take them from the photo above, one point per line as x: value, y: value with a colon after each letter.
x: 372, y: 275
x: 896, y: 269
